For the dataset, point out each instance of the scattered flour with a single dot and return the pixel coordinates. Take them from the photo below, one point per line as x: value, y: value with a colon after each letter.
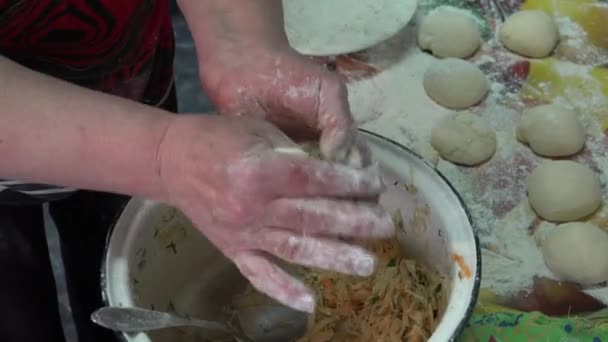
x: 574, y: 44
x: 397, y: 95
x: 570, y: 31
x: 509, y: 264
x: 393, y: 103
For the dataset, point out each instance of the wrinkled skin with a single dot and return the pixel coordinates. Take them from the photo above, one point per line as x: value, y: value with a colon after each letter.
x: 253, y: 202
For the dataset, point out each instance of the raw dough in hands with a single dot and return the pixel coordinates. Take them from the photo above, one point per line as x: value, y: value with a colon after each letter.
x: 455, y: 84
x: 577, y: 252
x: 464, y: 138
x: 564, y: 190
x: 551, y: 131
x: 354, y: 157
x: 530, y: 33
x: 448, y: 32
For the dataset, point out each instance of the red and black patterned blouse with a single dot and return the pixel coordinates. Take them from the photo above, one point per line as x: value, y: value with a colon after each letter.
x: 121, y: 47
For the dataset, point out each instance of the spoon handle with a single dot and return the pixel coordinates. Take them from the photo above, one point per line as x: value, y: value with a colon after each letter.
x: 134, y: 320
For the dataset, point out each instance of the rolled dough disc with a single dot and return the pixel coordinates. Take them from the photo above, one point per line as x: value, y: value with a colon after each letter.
x: 334, y: 27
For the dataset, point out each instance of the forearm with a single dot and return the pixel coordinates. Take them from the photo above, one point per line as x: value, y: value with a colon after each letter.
x: 215, y: 23
x: 56, y: 133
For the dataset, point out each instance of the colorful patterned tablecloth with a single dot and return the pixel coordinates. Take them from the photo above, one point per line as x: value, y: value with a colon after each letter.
x: 492, y: 322
x: 505, y: 325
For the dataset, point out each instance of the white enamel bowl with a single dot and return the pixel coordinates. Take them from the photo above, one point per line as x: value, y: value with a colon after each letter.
x: 155, y: 258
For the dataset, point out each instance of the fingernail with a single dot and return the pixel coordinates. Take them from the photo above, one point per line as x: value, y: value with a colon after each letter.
x: 304, y: 303
x: 341, y: 156
x: 355, y: 159
x: 374, y: 172
x: 365, y: 266
x: 386, y: 225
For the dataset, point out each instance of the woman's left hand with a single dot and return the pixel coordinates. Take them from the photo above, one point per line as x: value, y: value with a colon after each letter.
x: 300, y: 96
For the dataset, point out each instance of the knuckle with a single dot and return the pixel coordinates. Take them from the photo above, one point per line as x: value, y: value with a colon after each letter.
x: 232, y: 212
x: 297, y: 174
x: 290, y: 248
x: 245, y: 176
x: 301, y: 219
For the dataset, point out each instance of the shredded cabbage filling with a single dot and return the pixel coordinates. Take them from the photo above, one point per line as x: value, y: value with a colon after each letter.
x: 402, y: 301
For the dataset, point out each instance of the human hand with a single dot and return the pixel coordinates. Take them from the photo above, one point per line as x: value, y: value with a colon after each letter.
x: 300, y: 96
x: 254, y: 203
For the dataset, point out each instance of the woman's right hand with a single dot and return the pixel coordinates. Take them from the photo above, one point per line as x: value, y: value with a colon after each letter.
x: 253, y: 202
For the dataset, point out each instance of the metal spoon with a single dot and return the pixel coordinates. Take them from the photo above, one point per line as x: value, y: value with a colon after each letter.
x: 266, y: 323
x: 272, y: 323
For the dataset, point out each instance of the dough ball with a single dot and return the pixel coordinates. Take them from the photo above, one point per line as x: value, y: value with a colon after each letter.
x: 562, y: 190
x: 464, y: 138
x: 449, y: 33
x: 551, y: 131
x: 530, y: 33
x: 455, y: 84
x: 577, y: 252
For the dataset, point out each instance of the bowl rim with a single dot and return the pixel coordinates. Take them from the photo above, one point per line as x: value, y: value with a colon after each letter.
x: 476, y: 279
